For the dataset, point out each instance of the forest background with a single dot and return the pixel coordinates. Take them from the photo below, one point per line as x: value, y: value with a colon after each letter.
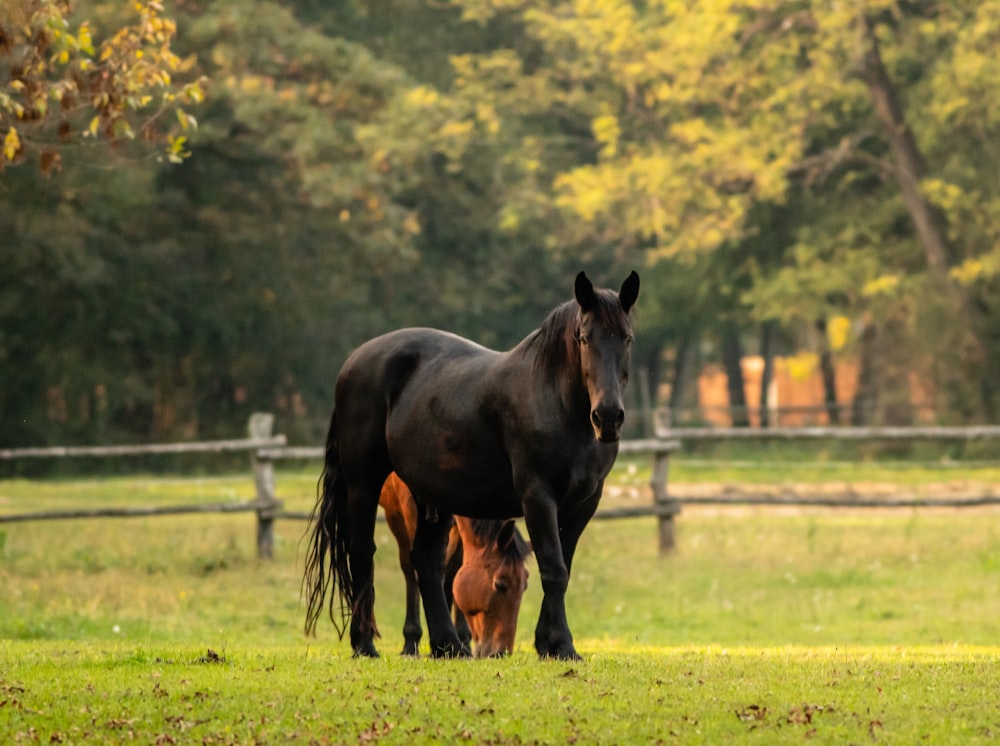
x: 205, y: 205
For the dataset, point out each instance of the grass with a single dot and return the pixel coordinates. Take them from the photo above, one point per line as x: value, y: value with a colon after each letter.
x: 116, y: 693
x: 764, y: 626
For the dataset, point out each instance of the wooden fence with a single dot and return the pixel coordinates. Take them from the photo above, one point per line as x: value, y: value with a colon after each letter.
x: 265, y: 449
x: 266, y: 504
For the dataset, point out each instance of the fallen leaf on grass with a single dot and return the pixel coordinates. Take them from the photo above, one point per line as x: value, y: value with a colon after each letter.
x: 803, y: 715
x: 211, y: 657
x: 752, y: 713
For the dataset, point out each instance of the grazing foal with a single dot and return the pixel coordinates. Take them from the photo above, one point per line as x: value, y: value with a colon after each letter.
x: 485, y: 568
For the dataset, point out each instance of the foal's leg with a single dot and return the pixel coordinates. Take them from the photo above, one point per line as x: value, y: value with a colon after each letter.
x: 411, y: 627
x: 428, y: 559
x: 362, y: 506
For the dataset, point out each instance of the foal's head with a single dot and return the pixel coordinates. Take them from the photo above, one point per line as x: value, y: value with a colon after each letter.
x: 604, y: 340
x: 490, y: 584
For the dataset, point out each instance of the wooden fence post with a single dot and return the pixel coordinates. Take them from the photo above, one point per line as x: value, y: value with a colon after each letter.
x: 666, y: 508
x: 260, y: 426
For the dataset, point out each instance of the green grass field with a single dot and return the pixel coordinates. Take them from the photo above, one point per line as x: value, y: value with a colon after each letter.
x: 765, y: 626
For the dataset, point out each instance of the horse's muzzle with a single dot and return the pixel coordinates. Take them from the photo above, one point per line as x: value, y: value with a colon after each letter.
x: 607, y: 423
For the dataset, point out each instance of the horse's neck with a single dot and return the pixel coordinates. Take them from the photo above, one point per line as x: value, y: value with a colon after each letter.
x: 554, y: 368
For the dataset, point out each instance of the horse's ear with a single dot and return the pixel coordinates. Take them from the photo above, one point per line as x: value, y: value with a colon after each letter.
x: 506, y: 535
x: 629, y: 292
x: 585, y: 294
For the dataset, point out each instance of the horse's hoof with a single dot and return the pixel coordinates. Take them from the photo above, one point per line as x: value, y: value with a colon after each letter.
x: 366, y: 650
x: 450, y: 650
x: 560, y: 653
x: 411, y: 649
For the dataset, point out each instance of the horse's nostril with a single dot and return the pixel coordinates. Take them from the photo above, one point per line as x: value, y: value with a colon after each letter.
x: 595, y: 417
x: 620, y: 419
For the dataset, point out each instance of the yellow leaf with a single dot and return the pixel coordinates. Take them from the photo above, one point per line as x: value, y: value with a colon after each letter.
x: 969, y: 271
x: 94, y: 124
x: 455, y: 129
x: 11, y: 144
x: 607, y: 131
x: 883, y: 285
x: 411, y: 224
x: 838, y: 331
x: 801, y: 366
x: 422, y: 96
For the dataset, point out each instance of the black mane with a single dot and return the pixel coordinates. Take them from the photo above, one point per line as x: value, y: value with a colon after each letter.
x: 550, y: 340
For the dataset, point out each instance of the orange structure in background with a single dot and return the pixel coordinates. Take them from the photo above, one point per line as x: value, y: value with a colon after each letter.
x: 795, y: 396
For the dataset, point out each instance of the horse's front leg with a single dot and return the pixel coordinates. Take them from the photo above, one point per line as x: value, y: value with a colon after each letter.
x: 552, y: 636
x: 428, y: 559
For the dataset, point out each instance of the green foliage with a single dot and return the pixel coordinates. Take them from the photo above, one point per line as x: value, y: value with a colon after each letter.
x: 350, y: 176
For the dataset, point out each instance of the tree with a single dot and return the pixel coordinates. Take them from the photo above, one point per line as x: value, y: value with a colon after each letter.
x: 700, y: 113
x: 60, y: 86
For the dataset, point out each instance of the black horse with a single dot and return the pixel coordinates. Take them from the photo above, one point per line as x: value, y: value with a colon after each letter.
x: 533, y: 431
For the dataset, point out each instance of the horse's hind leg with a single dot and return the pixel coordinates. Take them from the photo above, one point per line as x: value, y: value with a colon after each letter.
x: 362, y: 504
x: 428, y: 559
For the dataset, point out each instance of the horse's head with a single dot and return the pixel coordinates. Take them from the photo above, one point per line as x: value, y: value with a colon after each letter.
x: 490, y: 584
x: 604, y: 341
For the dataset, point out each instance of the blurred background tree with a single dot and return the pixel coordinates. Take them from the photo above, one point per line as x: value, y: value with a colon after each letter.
x: 786, y: 176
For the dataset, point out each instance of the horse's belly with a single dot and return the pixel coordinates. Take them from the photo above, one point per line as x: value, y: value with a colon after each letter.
x: 458, y: 468
x: 464, y: 493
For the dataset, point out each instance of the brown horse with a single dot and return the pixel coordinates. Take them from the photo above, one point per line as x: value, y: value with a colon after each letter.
x: 485, y: 567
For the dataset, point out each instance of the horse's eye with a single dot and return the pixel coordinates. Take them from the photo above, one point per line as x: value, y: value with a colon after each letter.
x: 583, y: 338
x: 500, y: 586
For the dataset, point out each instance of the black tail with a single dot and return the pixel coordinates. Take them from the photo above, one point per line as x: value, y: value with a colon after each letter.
x: 330, y: 532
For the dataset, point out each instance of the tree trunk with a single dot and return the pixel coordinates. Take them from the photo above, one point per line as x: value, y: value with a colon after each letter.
x: 896, y: 399
x: 767, y: 335
x: 909, y: 168
x: 829, y: 375
x: 866, y: 393
x: 908, y: 163
x: 732, y: 357
x: 684, y: 387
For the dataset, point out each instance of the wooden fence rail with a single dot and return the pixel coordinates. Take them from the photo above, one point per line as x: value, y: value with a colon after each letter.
x: 265, y: 449
x: 260, y: 440
x: 974, y: 432
x: 663, y: 508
